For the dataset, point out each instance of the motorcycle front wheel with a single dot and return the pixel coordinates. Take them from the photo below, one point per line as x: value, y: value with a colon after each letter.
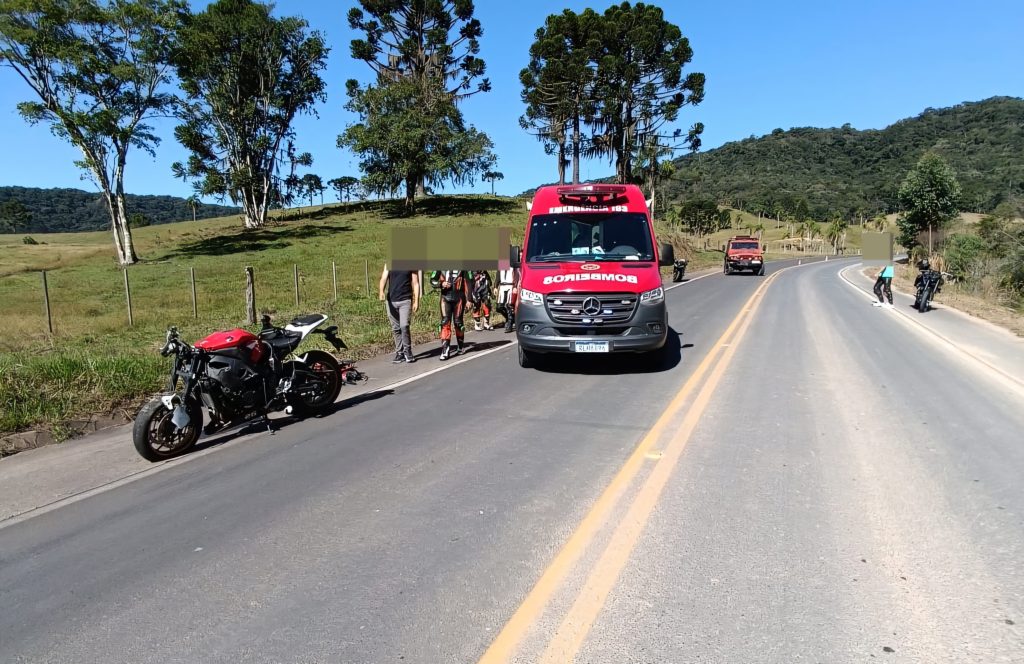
x: 155, y: 436
x: 326, y: 367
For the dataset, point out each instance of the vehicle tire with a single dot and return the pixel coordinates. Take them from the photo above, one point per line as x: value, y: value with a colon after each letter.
x: 324, y: 364
x: 527, y: 359
x: 154, y: 434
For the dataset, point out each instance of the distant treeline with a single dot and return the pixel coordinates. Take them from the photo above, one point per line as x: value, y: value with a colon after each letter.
x: 33, y: 210
x: 856, y: 174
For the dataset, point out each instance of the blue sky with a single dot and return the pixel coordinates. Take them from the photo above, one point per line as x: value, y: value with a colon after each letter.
x: 768, y: 64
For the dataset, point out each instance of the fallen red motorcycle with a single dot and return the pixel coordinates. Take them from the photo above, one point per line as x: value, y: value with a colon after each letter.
x: 241, y: 377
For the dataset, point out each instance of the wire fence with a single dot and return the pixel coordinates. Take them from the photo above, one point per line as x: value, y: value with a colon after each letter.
x: 75, y: 304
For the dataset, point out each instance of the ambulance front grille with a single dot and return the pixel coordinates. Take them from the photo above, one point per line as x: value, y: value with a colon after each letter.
x: 569, y: 308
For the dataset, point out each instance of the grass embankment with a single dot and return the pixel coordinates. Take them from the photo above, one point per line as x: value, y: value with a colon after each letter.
x: 95, y: 363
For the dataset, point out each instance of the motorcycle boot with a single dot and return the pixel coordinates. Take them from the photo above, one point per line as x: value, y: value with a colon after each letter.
x: 445, y: 349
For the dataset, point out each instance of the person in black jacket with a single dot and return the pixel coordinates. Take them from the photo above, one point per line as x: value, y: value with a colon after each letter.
x: 481, y: 298
x: 456, y: 289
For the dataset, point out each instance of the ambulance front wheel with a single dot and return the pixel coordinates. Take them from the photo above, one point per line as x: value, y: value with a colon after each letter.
x: 527, y: 359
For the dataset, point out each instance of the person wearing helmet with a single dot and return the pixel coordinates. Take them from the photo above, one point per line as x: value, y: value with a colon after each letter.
x: 883, y: 285
x: 455, y: 287
x: 481, y: 298
x: 926, y: 273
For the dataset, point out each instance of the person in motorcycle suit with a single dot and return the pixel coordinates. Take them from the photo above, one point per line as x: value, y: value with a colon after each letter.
x: 924, y: 266
x: 481, y: 299
x: 456, y: 290
x: 506, y: 292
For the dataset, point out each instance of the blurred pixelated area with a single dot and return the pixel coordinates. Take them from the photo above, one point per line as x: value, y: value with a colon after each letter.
x: 877, y: 248
x: 449, y: 248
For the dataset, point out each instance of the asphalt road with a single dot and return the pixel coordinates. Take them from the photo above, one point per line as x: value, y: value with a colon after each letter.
x: 851, y: 490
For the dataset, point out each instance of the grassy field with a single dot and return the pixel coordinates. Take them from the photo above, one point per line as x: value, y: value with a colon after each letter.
x: 95, y: 362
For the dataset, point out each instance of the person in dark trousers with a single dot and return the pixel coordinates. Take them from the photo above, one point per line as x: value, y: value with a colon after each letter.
x: 456, y: 289
x: 403, y: 299
x: 883, y: 284
x: 482, y: 300
x: 506, y: 294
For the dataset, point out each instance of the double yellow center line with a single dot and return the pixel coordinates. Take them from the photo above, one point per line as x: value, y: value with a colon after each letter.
x: 576, y: 624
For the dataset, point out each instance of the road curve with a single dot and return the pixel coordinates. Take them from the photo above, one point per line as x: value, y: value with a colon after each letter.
x: 410, y: 527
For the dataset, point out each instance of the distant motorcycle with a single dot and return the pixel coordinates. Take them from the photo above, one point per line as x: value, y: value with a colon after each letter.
x: 240, y: 377
x: 928, y: 282
x: 678, y: 269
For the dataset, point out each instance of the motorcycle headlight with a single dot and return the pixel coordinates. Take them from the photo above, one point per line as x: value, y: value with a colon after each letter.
x: 653, y: 296
x: 530, y: 297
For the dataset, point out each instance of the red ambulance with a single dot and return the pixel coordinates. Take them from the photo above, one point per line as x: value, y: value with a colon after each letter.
x: 589, y: 274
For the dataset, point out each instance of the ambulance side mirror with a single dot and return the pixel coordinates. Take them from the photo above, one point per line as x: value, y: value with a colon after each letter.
x: 515, y: 256
x: 666, y: 254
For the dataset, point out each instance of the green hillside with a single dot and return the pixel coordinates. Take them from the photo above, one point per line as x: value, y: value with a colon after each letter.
x: 851, y: 171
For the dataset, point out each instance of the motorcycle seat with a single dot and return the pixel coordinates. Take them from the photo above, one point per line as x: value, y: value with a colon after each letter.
x: 284, y: 341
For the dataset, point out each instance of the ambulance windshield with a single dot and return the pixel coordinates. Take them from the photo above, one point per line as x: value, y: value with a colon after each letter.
x: 590, y: 236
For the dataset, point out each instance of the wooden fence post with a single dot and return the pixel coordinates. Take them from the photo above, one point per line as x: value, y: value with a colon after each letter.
x: 296, y: 270
x: 334, y: 276
x: 250, y: 296
x: 46, y: 304
x: 128, y: 295
x: 195, y: 304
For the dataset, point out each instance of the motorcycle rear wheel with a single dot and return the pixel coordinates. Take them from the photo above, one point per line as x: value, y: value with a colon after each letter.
x: 155, y: 436
x: 324, y: 364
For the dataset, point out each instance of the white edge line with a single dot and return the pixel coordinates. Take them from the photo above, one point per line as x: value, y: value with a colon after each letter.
x: 922, y: 326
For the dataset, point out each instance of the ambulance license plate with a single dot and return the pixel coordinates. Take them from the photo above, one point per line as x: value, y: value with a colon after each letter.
x: 591, y: 346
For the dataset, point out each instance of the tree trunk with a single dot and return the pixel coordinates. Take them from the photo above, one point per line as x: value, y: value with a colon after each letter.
x: 411, y: 183
x: 119, y: 217
x: 576, y: 149
x: 561, y: 161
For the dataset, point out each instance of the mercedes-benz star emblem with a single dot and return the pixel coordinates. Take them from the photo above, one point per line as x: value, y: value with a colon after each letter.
x: 591, y: 306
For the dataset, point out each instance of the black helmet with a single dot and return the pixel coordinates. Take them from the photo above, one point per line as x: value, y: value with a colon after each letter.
x: 924, y: 264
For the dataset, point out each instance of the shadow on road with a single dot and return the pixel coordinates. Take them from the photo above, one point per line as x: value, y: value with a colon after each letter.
x: 471, y: 348
x: 617, y: 364
x: 282, y: 421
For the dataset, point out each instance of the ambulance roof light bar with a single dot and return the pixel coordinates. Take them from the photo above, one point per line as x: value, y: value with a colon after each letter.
x: 592, y: 193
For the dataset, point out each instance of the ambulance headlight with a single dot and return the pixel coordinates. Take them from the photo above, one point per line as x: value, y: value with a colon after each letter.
x: 530, y: 297
x: 653, y: 296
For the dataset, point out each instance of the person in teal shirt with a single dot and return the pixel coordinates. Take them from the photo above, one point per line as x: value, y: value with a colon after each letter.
x: 883, y: 284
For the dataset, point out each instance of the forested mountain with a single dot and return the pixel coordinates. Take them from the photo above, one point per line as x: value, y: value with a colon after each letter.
x: 850, y: 171
x: 32, y: 210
